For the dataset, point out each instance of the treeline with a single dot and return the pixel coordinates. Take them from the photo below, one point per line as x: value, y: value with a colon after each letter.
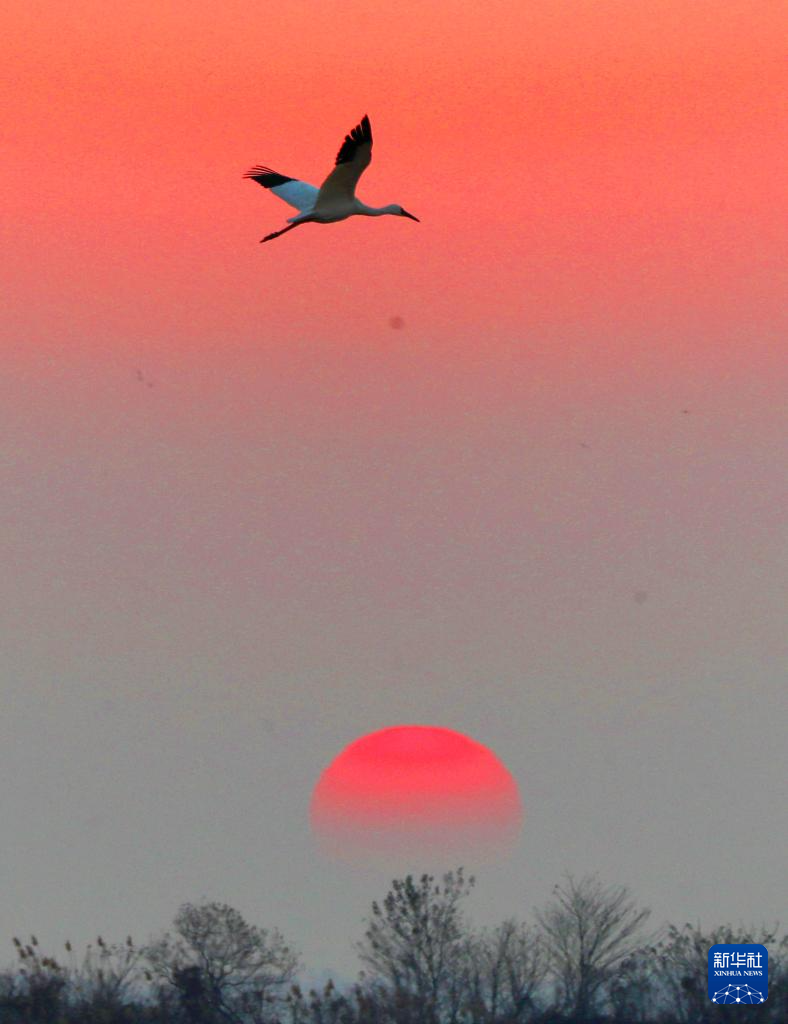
x: 586, y: 958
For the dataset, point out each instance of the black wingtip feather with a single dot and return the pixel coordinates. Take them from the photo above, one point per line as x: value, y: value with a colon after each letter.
x: 266, y: 177
x: 360, y: 134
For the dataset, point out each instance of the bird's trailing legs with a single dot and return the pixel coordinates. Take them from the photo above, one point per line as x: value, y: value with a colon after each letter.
x: 276, y: 234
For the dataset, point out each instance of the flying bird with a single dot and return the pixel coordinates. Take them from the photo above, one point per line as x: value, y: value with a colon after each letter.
x: 336, y: 197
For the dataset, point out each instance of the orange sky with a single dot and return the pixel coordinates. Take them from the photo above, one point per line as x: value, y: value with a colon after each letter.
x: 578, y: 160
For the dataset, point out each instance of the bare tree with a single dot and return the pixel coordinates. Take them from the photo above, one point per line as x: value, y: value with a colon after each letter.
x: 415, y: 945
x: 506, y: 968
x: 588, y: 930
x: 224, y: 968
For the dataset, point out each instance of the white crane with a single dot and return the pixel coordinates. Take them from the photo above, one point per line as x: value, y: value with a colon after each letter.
x: 336, y: 197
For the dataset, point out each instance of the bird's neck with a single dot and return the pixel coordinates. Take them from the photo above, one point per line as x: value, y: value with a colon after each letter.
x: 377, y: 211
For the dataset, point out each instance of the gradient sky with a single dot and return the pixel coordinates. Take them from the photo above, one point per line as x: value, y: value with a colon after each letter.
x: 245, y: 520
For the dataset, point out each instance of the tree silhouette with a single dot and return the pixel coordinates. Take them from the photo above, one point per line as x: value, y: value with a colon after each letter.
x: 222, y: 967
x: 415, y: 946
x: 505, y: 971
x: 585, y: 962
x: 588, y: 929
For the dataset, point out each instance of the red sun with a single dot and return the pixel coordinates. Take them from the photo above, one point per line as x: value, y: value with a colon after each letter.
x: 415, y: 789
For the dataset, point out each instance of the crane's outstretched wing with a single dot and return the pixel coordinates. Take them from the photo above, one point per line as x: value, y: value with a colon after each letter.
x: 353, y: 158
x: 296, y: 193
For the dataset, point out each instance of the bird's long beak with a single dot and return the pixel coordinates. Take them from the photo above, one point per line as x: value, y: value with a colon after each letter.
x: 406, y: 214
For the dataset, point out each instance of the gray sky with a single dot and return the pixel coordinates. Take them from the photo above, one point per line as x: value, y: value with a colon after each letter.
x: 169, y: 702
